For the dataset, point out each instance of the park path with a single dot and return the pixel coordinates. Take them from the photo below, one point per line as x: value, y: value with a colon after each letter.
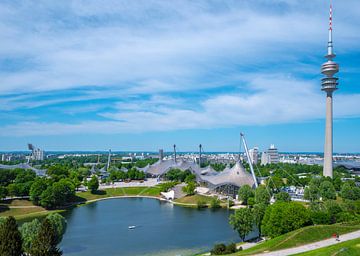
x: 313, y: 246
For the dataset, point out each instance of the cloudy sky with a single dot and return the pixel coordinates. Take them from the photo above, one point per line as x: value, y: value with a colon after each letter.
x: 145, y: 74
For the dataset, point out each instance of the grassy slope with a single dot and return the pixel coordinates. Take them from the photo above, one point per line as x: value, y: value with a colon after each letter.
x: 300, y: 237
x: 348, y: 248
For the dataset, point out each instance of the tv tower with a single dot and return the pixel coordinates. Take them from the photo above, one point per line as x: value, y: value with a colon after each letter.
x: 329, y: 84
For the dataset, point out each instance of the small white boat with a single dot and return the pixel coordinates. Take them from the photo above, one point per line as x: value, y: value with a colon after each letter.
x: 132, y: 227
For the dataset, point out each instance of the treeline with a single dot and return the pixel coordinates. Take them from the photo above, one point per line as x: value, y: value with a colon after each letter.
x: 57, y: 189
x: 33, y: 238
x: 132, y: 174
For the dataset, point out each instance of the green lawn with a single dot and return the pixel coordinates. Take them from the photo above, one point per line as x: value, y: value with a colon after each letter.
x: 16, y: 202
x: 110, y: 192
x: 300, y: 237
x: 192, y: 200
x: 348, y: 248
x: 5, y: 212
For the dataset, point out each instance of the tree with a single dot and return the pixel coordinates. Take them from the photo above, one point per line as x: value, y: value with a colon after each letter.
x: 350, y: 192
x: 312, y: 192
x: 262, y: 195
x: 10, y: 238
x: 189, y: 189
x: 3, y: 192
x: 29, y: 231
x: 59, y: 224
x: 48, y: 199
x: 327, y: 190
x: 245, y: 192
x: 282, y: 197
x: 57, y: 194
x: 258, y: 212
x: 333, y: 209
x: 282, y: 217
x: 93, y: 184
x: 46, y: 241
x: 242, y: 221
x: 37, y: 188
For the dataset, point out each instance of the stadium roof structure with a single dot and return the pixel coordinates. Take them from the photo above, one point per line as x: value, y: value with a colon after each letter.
x: 161, y: 167
x: 237, y: 176
x: 23, y: 166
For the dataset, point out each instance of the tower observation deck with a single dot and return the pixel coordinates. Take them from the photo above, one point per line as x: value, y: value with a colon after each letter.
x: 329, y: 84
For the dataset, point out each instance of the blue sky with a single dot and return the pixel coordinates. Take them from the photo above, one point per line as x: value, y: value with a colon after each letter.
x: 143, y: 75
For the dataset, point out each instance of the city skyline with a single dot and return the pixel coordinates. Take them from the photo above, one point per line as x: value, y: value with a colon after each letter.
x: 94, y: 79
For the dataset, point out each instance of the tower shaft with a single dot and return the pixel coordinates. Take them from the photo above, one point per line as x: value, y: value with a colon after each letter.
x: 328, y: 148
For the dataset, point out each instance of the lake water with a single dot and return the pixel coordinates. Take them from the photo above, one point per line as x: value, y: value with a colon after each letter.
x: 101, y: 228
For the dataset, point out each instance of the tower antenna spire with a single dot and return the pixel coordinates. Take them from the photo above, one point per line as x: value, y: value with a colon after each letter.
x: 330, y: 55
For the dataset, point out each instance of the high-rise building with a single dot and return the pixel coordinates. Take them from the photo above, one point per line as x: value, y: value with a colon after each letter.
x: 265, y: 159
x: 329, y: 84
x: 36, y: 153
x: 161, y: 154
x: 271, y: 156
x: 254, y: 155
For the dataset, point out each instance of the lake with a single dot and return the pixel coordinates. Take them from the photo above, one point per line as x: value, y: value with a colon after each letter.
x: 101, y: 228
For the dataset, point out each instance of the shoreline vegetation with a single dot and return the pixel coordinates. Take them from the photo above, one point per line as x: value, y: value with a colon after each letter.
x: 23, y: 209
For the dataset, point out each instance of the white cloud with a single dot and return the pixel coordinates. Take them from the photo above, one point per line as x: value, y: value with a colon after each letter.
x: 286, y: 100
x: 151, y: 56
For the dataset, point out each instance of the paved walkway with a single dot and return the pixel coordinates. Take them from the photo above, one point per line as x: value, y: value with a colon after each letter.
x: 313, y: 246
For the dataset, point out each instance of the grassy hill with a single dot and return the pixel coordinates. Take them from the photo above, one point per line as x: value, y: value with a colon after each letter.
x: 348, y: 248
x: 300, y: 237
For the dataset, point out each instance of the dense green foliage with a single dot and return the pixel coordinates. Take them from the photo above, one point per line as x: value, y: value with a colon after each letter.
x: 327, y: 190
x: 29, y: 231
x: 132, y: 174
x: 164, y: 187
x: 262, y: 195
x: 222, y: 249
x: 242, y: 221
x: 10, y: 238
x: 36, y: 190
x: 350, y: 191
x: 283, y: 217
x: 189, y: 189
x: 58, y: 222
x: 258, y: 212
x: 179, y: 175
x: 245, y: 192
x: 93, y: 184
x: 46, y: 241
x: 282, y: 197
x: 58, y: 194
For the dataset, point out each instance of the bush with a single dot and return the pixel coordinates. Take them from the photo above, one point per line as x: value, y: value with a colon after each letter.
x: 215, y: 203
x: 219, y: 249
x: 201, y: 204
x: 189, y: 189
x: 251, y: 201
x: 222, y: 249
x: 164, y: 187
x: 231, y: 248
x: 320, y: 217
